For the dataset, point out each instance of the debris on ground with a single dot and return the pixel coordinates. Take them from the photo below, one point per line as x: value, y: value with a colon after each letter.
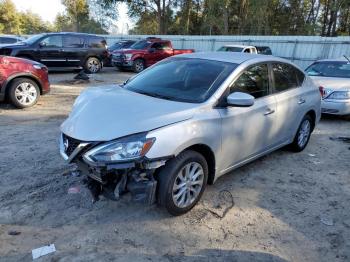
x: 311, y: 155
x: 82, y: 76
x: 43, y: 251
x: 74, y: 190
x: 13, y: 233
x: 344, y: 139
x: 327, y: 221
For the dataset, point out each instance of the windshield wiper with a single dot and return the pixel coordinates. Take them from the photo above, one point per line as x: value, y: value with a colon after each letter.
x: 154, y: 95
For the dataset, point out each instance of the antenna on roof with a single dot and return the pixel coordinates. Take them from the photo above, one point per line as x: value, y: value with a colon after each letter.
x: 347, y: 59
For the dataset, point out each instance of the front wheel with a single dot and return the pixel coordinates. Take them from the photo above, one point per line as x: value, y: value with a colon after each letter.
x: 24, y: 92
x: 92, y: 65
x: 182, y: 182
x: 138, y: 65
x: 303, y: 134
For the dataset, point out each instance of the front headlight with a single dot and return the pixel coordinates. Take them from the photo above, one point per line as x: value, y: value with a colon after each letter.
x: 128, y: 56
x: 120, y: 150
x: 339, y: 95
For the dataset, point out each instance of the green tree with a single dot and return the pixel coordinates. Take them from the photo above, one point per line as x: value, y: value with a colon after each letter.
x: 9, y: 18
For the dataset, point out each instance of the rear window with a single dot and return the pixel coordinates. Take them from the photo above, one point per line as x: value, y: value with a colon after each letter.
x: 329, y: 69
x: 97, y: 42
x: 230, y: 49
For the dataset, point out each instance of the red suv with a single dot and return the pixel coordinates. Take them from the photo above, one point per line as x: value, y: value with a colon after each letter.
x: 22, y: 81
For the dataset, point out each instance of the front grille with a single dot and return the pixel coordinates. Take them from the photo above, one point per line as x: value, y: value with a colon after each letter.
x: 72, y: 144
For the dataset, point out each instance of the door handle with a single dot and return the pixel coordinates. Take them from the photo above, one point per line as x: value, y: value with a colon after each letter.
x: 269, y: 112
x: 301, y: 101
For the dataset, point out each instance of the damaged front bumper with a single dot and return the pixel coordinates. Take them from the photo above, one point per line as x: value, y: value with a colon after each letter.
x: 114, y: 179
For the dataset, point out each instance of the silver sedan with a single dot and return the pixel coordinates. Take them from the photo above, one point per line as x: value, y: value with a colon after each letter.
x: 184, y: 122
x: 333, y: 78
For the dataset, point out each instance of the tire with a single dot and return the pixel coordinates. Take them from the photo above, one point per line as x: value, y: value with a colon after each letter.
x: 24, y: 92
x: 302, y: 139
x: 138, y: 65
x: 173, y: 173
x: 92, y: 65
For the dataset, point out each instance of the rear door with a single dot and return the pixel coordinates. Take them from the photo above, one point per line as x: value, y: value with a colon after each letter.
x: 290, y: 97
x: 249, y: 131
x: 50, y: 51
x: 73, y: 49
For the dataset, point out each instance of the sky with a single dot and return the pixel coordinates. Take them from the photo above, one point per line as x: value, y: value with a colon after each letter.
x: 48, y: 9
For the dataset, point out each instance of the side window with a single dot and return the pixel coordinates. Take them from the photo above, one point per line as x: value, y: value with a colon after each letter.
x: 52, y: 41
x: 97, y: 42
x: 157, y: 46
x: 247, y: 50
x: 73, y: 41
x: 286, y: 77
x: 166, y: 46
x: 253, y: 81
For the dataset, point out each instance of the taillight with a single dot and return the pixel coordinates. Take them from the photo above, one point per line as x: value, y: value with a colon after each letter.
x: 322, y: 91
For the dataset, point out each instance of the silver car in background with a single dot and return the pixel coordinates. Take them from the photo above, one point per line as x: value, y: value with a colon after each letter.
x: 333, y: 78
x: 184, y: 122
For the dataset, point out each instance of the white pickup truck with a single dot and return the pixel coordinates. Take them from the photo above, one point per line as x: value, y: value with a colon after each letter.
x: 239, y: 49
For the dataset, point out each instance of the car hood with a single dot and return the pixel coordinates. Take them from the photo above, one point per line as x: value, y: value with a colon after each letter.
x: 110, y: 112
x: 20, y: 44
x: 333, y: 83
x: 129, y: 51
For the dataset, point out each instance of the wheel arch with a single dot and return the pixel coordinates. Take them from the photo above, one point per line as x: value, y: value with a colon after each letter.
x: 28, y: 76
x: 312, y: 114
x: 209, y: 156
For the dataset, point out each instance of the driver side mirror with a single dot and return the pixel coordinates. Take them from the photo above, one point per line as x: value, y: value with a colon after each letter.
x: 42, y: 44
x: 151, y: 50
x: 240, y: 99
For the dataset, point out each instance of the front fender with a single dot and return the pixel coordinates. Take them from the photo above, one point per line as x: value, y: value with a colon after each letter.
x: 175, y: 138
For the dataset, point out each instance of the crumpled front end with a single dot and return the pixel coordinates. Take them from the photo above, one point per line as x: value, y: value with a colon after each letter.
x: 113, y: 179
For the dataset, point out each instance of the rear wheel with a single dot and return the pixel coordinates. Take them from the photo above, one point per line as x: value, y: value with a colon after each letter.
x: 92, y: 65
x: 24, y: 92
x: 182, y: 182
x: 138, y: 66
x: 303, y: 134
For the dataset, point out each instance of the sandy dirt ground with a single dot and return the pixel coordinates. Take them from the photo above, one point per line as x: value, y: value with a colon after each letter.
x: 282, y: 207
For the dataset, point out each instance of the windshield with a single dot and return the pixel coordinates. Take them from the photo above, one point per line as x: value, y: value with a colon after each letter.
x: 182, y: 79
x: 330, y: 69
x: 230, y: 49
x: 33, y: 39
x: 140, y: 45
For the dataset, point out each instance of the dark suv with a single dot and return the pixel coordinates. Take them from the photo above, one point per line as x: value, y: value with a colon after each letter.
x: 62, y: 50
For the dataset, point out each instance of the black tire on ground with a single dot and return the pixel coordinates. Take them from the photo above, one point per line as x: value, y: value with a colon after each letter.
x: 28, y: 88
x: 138, y: 65
x: 296, y: 145
x: 168, y: 175
x: 92, y: 65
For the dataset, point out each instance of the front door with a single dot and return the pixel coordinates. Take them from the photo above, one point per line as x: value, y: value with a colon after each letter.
x: 249, y: 131
x: 50, y: 49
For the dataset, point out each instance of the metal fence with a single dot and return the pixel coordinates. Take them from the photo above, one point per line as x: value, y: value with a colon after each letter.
x: 302, y: 50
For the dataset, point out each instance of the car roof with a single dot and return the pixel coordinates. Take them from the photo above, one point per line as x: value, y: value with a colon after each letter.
x: 333, y: 60
x: 240, y: 46
x: 73, y: 33
x: 233, y: 57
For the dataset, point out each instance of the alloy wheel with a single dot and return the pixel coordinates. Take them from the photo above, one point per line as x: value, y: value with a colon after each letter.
x: 304, y: 133
x: 94, y: 65
x: 188, y: 184
x: 26, y: 93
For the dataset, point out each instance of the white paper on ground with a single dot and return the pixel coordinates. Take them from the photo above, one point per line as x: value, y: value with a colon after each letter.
x: 42, y: 251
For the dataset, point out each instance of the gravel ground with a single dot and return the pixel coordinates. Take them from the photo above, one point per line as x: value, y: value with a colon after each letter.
x: 282, y: 207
